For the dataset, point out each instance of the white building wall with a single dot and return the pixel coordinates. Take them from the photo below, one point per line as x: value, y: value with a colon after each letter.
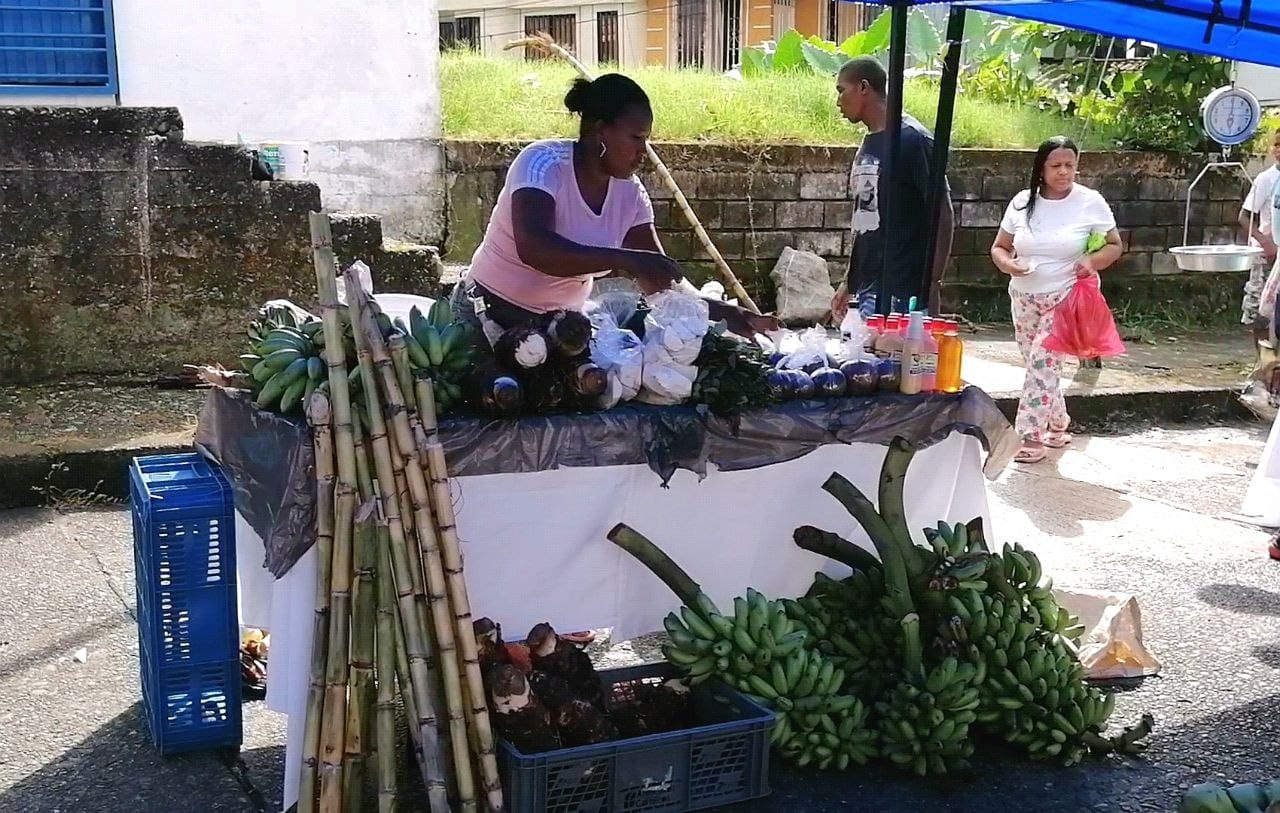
x: 500, y: 25
x: 358, y: 80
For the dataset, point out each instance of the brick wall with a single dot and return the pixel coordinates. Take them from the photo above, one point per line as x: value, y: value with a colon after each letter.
x: 756, y: 201
x: 127, y: 251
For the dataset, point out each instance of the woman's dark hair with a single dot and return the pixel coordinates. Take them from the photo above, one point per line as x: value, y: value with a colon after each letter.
x: 1037, y: 169
x: 606, y: 99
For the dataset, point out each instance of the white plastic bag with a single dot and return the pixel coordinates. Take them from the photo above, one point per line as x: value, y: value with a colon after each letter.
x: 366, y: 281
x: 1112, y: 647
x: 673, y: 333
x: 621, y: 355
x: 667, y: 384
x: 812, y: 350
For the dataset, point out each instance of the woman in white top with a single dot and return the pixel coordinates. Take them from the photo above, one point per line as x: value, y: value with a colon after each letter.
x: 1041, y: 246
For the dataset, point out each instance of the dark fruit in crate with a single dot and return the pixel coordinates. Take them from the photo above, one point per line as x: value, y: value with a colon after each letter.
x: 520, y: 717
x: 507, y: 397
x: 861, y: 377
x: 588, y: 380
x: 569, y: 332
x: 521, y: 348
x: 780, y: 385
x: 829, y: 382
x: 888, y: 375
x: 582, y: 723
x: 564, y: 661
x: 803, y: 384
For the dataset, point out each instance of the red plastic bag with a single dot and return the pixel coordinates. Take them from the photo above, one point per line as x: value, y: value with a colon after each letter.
x: 1083, y: 325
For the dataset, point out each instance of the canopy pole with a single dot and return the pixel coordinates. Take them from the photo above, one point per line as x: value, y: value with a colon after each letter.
x: 942, y: 139
x: 893, y: 132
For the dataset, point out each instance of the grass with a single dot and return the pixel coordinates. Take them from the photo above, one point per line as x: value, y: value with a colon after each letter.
x: 502, y: 99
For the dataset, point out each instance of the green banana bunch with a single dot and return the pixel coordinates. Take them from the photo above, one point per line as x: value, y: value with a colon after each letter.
x: 1248, y: 797
x: 760, y: 651
x: 441, y: 348
x: 924, y: 721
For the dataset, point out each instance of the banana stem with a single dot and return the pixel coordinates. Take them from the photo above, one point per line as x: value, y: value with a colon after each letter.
x: 658, y: 562
x: 833, y: 546
x: 912, y: 649
x: 897, y: 583
x: 893, y: 480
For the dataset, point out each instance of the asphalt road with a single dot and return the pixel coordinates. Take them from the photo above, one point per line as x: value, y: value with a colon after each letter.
x: 1145, y: 513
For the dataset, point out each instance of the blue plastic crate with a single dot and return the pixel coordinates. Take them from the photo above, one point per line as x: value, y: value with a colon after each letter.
x: 188, y: 630
x: 724, y: 759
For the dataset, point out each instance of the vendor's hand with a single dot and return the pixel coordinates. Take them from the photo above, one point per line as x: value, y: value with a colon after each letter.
x: 1016, y: 268
x: 1268, y: 248
x: 654, y: 270
x: 840, y: 303
x: 1085, y: 269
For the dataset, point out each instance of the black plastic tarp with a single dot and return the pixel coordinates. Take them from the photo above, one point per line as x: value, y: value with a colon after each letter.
x: 271, y: 464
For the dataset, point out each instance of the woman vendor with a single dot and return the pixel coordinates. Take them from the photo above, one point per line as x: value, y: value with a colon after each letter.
x: 571, y: 211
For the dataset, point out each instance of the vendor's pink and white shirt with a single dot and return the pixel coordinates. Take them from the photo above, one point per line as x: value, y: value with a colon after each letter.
x: 548, y: 166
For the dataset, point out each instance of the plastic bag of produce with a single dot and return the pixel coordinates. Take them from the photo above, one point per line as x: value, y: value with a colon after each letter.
x: 812, y: 352
x: 1112, y: 648
x: 1083, y: 325
x: 674, y: 327
x: 803, y: 281
x: 667, y: 384
x: 621, y: 355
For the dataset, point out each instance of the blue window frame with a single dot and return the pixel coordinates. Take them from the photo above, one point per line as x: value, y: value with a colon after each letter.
x: 57, y: 46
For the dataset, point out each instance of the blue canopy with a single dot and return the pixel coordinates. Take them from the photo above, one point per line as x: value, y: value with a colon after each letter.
x: 1242, y: 30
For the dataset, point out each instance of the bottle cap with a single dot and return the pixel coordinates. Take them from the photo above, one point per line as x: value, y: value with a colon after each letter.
x: 915, y: 330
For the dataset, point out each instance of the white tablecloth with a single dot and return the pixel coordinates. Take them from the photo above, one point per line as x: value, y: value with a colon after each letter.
x: 1262, y: 500
x: 535, y: 547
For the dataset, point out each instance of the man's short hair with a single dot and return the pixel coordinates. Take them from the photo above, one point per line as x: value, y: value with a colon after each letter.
x: 866, y: 69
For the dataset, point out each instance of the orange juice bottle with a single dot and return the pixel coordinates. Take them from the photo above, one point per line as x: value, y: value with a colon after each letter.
x: 950, y: 359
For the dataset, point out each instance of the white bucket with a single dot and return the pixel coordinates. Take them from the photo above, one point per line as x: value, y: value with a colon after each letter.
x: 289, y: 160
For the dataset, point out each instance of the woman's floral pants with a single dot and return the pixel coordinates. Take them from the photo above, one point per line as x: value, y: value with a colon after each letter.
x: 1041, y: 410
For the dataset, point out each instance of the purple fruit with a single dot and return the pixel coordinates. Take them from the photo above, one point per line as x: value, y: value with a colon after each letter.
x: 888, y: 375
x: 861, y: 377
x: 780, y: 385
x: 829, y: 382
x: 803, y: 384
x: 776, y: 358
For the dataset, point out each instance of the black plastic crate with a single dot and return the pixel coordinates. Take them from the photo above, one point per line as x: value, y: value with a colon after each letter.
x: 724, y: 759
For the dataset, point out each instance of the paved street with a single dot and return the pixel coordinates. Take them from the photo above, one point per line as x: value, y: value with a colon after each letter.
x: 1145, y: 513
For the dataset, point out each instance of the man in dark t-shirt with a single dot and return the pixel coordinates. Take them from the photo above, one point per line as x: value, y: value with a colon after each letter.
x: 861, y: 88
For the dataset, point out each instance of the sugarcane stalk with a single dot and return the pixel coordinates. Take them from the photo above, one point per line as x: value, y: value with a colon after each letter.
x: 366, y: 336
x: 386, y: 671
x: 404, y: 371
x: 897, y: 585
x: 360, y: 704
x: 333, y: 718
x: 450, y: 556
x: 546, y: 43
x: 834, y: 546
x: 333, y: 713
x: 658, y: 562
x: 319, y: 416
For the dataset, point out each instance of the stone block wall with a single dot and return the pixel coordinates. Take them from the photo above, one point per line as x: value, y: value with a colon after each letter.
x: 755, y: 201
x: 125, y: 250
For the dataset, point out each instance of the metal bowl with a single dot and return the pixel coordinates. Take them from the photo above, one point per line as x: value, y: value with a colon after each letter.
x: 1216, y: 258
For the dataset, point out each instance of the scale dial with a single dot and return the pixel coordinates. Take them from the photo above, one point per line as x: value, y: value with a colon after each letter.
x: 1230, y: 115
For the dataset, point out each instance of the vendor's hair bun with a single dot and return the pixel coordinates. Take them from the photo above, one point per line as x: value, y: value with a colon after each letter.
x: 604, y: 99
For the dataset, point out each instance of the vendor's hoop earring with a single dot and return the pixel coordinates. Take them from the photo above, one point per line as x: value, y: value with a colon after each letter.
x: 603, y: 149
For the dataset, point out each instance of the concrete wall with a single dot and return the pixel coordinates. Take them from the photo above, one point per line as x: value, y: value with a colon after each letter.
x: 502, y: 22
x: 128, y: 251
x: 357, y: 80
x: 755, y: 202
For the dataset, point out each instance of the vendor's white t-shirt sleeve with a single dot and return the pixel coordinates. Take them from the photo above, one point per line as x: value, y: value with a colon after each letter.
x: 1015, y: 213
x: 1098, y: 212
x: 538, y: 167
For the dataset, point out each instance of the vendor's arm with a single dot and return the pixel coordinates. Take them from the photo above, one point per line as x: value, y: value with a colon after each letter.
x: 1251, y: 224
x: 740, y: 320
x: 539, y: 246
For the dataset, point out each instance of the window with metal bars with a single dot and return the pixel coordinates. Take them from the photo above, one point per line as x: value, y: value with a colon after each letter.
x: 563, y: 28
x: 607, y: 37
x: 844, y: 19
x: 57, y: 45
x: 708, y: 33
x: 460, y: 33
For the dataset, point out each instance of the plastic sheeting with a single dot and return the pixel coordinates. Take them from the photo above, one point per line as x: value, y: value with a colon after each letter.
x: 270, y: 462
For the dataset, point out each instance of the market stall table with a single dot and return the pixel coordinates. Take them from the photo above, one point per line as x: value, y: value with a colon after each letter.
x: 536, y: 496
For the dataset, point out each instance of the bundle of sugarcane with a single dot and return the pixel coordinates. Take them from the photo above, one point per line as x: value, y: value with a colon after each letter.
x: 391, y: 602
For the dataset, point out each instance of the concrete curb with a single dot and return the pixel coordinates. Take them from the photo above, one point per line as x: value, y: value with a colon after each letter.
x: 75, y: 478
